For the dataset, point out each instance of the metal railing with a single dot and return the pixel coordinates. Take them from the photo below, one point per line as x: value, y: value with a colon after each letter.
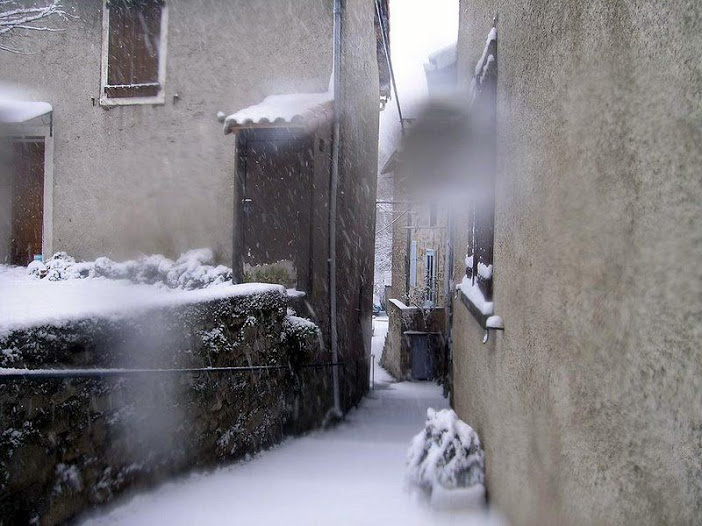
x: 29, y: 374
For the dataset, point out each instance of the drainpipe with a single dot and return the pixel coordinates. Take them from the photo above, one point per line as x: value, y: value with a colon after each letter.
x: 336, y: 146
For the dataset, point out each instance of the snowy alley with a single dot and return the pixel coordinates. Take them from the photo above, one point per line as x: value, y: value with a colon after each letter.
x: 352, y: 474
x: 350, y: 262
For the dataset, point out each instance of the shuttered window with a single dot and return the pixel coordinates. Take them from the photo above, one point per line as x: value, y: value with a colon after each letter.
x: 133, y: 48
x: 479, y: 258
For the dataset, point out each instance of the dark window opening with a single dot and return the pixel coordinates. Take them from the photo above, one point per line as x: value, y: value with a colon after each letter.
x: 134, y: 39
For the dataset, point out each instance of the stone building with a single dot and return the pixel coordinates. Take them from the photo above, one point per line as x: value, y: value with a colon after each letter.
x: 419, y: 243
x: 589, y: 403
x: 420, y: 288
x: 415, y: 308
x: 134, y: 160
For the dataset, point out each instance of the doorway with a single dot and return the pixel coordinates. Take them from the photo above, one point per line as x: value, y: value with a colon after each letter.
x: 277, y: 206
x: 27, y: 190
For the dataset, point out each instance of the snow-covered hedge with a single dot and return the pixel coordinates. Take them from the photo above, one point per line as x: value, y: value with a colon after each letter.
x: 446, y: 461
x: 297, y: 328
x: 300, y: 337
x: 170, y: 422
x: 192, y: 270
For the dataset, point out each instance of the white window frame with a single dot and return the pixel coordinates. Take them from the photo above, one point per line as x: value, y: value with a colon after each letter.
x: 160, y: 98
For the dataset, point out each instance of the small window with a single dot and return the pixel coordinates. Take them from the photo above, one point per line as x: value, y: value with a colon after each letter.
x: 133, y: 51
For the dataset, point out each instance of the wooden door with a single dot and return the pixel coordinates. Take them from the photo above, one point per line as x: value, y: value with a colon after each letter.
x: 27, y: 201
x: 278, y: 207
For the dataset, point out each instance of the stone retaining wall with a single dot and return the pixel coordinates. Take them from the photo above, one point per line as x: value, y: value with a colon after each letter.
x: 67, y: 445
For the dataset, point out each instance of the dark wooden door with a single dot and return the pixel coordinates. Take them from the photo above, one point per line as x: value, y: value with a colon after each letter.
x: 422, y: 364
x: 278, y: 207
x: 27, y: 201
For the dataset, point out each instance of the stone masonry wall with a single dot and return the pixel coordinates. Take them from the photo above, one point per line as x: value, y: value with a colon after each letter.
x: 396, y: 358
x: 68, y: 445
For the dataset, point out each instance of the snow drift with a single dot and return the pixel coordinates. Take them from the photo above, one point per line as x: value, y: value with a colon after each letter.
x: 192, y: 270
x: 446, y: 462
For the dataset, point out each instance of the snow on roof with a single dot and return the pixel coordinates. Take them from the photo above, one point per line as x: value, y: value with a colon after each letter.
x: 442, y: 58
x: 17, y: 111
x: 297, y: 109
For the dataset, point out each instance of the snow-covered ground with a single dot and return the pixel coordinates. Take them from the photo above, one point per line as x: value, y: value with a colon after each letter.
x: 352, y: 474
x: 26, y: 301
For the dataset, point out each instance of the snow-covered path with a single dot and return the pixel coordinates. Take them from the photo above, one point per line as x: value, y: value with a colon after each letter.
x: 352, y: 474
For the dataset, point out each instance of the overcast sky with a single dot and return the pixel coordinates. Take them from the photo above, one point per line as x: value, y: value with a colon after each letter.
x: 417, y: 29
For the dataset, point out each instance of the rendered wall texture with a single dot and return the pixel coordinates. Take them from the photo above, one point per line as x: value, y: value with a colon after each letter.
x: 159, y: 179
x: 356, y: 200
x: 590, y: 403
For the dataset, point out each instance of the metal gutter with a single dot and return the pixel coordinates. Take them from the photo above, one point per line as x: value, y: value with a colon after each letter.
x: 37, y: 374
x: 386, y: 47
x: 333, y: 197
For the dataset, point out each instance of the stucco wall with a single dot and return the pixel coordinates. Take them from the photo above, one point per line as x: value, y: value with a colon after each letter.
x: 428, y: 237
x: 416, y: 216
x: 160, y: 178
x: 589, y: 405
x: 356, y: 199
x: 400, y: 246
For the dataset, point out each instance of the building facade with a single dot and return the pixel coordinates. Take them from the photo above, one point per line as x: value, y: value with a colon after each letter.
x: 148, y: 169
x: 421, y: 285
x: 135, y: 160
x: 589, y: 402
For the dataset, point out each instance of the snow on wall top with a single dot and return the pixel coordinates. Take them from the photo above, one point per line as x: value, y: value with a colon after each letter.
x: 442, y: 58
x: 299, y: 109
x: 29, y: 302
x: 16, y: 111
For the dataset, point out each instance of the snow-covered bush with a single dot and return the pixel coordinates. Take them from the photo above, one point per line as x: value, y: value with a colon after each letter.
x: 37, y: 269
x: 57, y: 267
x: 446, y: 457
x: 297, y: 328
x: 192, y: 270
x: 298, y: 338
x: 62, y: 266
x: 106, y: 268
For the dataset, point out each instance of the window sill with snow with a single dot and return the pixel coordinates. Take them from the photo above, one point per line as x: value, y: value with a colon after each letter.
x: 482, y: 310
